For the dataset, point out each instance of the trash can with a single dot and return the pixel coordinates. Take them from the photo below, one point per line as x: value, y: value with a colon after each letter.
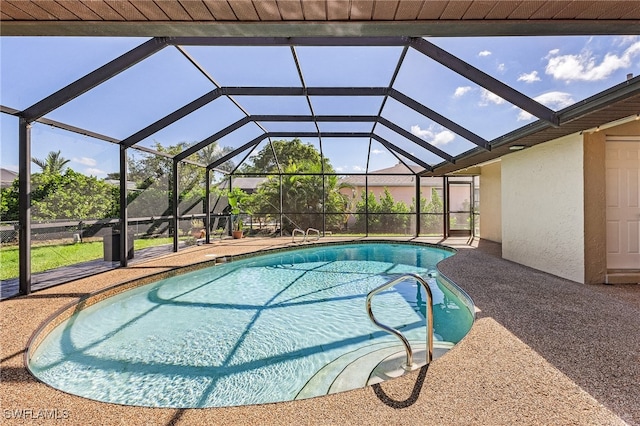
x: 112, y: 247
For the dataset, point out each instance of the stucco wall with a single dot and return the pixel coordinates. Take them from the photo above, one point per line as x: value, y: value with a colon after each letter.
x: 491, y: 202
x: 543, y: 207
x: 595, y: 224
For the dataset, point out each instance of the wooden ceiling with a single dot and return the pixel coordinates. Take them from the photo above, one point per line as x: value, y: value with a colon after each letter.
x: 317, y: 17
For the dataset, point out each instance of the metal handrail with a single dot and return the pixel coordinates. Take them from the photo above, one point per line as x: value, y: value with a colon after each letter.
x: 316, y: 231
x: 293, y: 234
x: 429, y: 313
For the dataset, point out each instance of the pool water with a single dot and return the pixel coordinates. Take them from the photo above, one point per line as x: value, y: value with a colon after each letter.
x: 245, y: 332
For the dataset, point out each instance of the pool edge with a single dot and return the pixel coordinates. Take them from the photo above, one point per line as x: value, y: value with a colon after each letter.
x: 68, y: 310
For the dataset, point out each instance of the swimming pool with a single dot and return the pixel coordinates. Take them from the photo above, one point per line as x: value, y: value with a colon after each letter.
x: 269, y: 328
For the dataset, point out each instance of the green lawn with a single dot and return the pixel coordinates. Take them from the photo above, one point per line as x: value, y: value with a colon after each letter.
x: 47, y: 257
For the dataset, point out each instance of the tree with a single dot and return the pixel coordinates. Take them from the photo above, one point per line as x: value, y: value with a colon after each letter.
x: 301, y: 195
x: 9, y: 209
x: 53, y: 163
x: 302, y: 187
x: 366, y: 204
x: 152, y: 175
x: 431, y: 217
x: 212, y: 152
x: 385, y: 214
x: 394, y: 217
x: 287, y: 152
x: 69, y: 195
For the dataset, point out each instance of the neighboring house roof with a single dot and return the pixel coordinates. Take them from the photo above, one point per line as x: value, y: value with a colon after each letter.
x: 131, y: 186
x: 403, y: 176
x: 405, y: 180
x: 400, y: 169
x: 247, y: 184
x: 7, y: 177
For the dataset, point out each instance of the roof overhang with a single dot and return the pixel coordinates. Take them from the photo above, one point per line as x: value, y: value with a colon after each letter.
x: 618, y: 104
x: 303, y: 18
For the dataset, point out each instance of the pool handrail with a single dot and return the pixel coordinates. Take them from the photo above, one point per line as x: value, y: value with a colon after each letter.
x: 314, y: 230
x: 429, y: 313
x: 293, y: 235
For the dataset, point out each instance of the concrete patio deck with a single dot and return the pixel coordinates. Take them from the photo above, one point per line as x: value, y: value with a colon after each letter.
x: 543, y: 350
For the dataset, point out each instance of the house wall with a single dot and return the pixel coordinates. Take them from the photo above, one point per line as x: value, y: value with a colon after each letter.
x: 543, y: 207
x: 595, y: 209
x: 406, y: 194
x: 491, y: 202
x: 595, y: 198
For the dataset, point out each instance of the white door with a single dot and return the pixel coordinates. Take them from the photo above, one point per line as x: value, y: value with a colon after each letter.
x: 623, y: 202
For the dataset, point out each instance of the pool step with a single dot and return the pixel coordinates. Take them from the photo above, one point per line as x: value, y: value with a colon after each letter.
x: 366, y: 366
x: 392, y: 366
x: 320, y: 383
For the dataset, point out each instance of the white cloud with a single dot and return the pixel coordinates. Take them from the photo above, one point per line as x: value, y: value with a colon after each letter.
x: 529, y: 78
x: 442, y: 137
x: 490, y: 98
x: 484, y: 53
x: 626, y: 40
x: 553, y: 100
x: 502, y: 67
x: 461, y: 91
x: 585, y: 66
x: 417, y: 131
x: 339, y: 169
x: 94, y: 172
x: 377, y: 151
x: 85, y: 161
x: 357, y: 169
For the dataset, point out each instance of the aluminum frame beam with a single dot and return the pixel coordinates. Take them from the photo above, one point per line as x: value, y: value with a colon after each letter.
x: 301, y: 118
x: 171, y: 118
x: 312, y: 118
x: 353, y: 119
x: 207, y: 141
x: 93, y: 79
x: 323, y: 118
x: 484, y: 80
x: 124, y: 214
x: 392, y: 81
x: 237, y: 151
x: 291, y: 41
x: 304, y: 91
x: 413, y: 138
x: 321, y: 134
x: 440, y: 119
x: 24, y: 202
x: 392, y: 147
x: 573, y: 112
x: 84, y: 132
x: 175, y: 204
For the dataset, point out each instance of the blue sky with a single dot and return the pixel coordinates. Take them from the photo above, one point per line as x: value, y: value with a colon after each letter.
x: 556, y: 71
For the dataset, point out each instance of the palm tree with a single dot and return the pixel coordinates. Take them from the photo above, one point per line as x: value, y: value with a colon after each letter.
x: 53, y: 163
x: 212, y: 152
